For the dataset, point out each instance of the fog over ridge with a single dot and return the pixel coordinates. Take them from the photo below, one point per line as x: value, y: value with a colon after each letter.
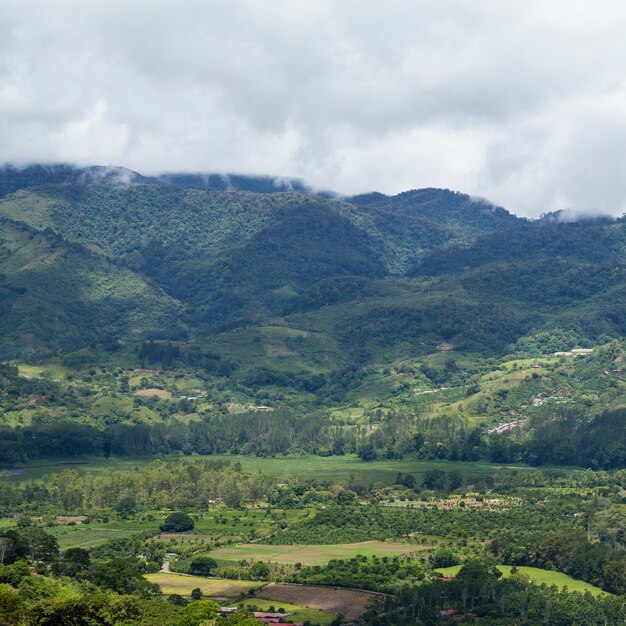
x: 523, y: 104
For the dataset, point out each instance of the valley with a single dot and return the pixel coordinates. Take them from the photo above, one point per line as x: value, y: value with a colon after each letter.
x: 224, y: 401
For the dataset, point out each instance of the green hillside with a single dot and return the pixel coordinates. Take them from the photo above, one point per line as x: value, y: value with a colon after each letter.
x: 59, y: 296
x: 372, y: 324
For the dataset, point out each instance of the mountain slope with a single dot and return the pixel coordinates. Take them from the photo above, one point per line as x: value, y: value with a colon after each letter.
x: 381, y: 277
x: 60, y: 296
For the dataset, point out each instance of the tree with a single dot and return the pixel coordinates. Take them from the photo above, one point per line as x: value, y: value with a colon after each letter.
x: 177, y: 523
x: 176, y: 599
x: 126, y: 507
x: 196, y: 594
x: 202, y: 566
x: 615, y: 577
x: 198, y: 612
x: 42, y: 546
x: 409, y: 481
x: 260, y: 571
x: 346, y: 496
x: 5, y: 546
x: 443, y: 557
x: 455, y: 480
x: 72, y: 561
x: 434, y: 480
x: 367, y: 452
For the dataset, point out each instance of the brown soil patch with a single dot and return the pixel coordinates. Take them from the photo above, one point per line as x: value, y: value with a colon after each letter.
x: 152, y: 393
x: 66, y: 519
x: 351, y: 603
x: 183, y: 536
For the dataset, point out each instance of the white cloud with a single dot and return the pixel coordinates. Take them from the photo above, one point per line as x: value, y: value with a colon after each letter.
x: 522, y: 103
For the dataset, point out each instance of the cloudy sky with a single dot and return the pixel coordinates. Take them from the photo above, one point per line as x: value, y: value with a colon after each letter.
x: 523, y: 103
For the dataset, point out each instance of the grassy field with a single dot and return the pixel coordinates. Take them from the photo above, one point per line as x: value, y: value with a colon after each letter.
x: 351, y: 603
x: 183, y: 585
x: 310, y: 554
x: 95, y: 534
x: 539, y: 576
x: 305, y: 466
x: 300, y: 613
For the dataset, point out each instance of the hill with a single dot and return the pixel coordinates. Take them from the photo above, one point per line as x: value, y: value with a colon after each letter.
x: 349, y: 311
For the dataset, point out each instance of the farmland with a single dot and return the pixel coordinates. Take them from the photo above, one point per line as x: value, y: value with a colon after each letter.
x: 309, y: 554
x: 300, y: 613
x: 216, y: 588
x: 538, y: 576
x: 350, y: 603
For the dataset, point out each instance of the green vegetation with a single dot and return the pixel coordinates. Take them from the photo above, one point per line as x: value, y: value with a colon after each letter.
x: 308, y: 554
x: 211, y: 587
x: 538, y: 576
x: 293, y: 401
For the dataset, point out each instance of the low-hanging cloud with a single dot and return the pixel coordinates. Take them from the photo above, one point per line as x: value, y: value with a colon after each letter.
x: 521, y: 103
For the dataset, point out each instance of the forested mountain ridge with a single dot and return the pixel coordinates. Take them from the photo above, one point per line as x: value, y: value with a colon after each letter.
x: 378, y: 277
x: 236, y: 257
x: 355, y: 312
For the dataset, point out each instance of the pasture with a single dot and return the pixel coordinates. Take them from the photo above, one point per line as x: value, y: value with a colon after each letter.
x: 538, y: 576
x: 334, y: 468
x: 215, y: 588
x: 308, y: 554
x: 300, y: 613
x: 351, y: 603
x: 97, y: 533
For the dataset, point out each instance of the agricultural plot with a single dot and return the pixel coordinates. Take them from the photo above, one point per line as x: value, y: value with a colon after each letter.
x: 540, y: 577
x: 215, y: 588
x: 300, y: 613
x: 351, y: 603
x: 308, y: 554
x: 97, y: 533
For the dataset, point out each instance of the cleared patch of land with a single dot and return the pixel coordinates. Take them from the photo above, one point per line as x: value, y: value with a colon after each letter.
x: 183, y: 585
x: 539, y: 576
x: 153, y: 393
x: 309, y: 554
x: 183, y: 537
x: 351, y: 603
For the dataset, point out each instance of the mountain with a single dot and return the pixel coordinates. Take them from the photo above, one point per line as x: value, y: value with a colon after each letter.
x: 60, y: 296
x: 237, y: 182
x: 372, y: 277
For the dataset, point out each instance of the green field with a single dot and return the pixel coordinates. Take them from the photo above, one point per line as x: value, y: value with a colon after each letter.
x: 95, y: 534
x: 540, y: 577
x: 211, y: 587
x: 300, y: 613
x: 309, y: 554
x: 305, y: 466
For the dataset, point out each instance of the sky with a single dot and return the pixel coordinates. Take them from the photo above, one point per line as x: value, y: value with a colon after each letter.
x: 522, y: 103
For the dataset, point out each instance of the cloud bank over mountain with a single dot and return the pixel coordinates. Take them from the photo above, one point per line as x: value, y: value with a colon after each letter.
x: 522, y: 103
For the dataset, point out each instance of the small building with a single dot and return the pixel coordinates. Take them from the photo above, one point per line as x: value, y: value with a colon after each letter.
x: 227, y: 610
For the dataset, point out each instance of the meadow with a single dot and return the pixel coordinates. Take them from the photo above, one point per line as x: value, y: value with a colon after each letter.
x: 97, y: 533
x: 216, y: 588
x: 308, y: 554
x: 333, y: 468
x: 540, y: 577
x: 300, y: 613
